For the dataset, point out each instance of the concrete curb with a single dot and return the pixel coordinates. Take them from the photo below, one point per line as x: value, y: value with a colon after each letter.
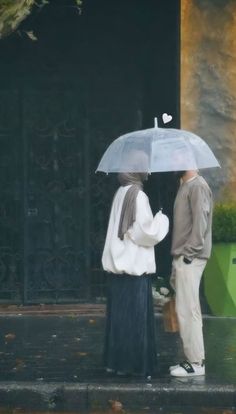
x: 83, y: 397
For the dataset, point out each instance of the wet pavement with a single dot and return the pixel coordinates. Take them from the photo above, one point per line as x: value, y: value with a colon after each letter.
x: 54, y: 362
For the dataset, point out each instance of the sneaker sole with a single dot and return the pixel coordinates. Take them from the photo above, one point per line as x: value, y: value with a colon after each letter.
x: 180, y: 372
x: 191, y: 374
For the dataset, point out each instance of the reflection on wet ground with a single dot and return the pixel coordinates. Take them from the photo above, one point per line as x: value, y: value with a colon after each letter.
x: 57, y: 361
x: 69, y: 348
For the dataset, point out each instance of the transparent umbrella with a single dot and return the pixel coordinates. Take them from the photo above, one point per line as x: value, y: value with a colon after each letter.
x: 157, y: 150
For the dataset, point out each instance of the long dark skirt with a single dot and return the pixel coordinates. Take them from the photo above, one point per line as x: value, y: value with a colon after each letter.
x: 130, y: 330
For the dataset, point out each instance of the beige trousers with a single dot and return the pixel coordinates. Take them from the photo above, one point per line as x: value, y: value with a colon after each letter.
x: 185, y: 279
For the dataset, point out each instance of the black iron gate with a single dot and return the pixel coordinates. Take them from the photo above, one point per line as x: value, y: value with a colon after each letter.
x: 11, y: 236
x: 56, y: 246
x: 54, y: 208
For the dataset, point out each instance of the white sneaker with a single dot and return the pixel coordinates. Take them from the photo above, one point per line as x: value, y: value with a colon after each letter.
x: 173, y: 367
x: 185, y: 369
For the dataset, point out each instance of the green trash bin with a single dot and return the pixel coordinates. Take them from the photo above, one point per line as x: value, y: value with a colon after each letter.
x: 220, y: 279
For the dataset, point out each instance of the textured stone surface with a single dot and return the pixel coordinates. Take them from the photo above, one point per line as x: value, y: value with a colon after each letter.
x: 208, y: 83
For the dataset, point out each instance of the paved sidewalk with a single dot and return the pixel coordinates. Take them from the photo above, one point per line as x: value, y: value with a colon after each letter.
x: 51, y: 360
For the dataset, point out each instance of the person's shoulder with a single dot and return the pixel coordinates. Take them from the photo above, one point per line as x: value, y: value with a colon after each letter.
x: 119, y: 194
x: 199, y: 183
x: 122, y: 189
x: 142, y: 196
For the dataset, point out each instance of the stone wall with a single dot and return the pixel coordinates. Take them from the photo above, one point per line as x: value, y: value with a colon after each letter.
x: 208, y: 83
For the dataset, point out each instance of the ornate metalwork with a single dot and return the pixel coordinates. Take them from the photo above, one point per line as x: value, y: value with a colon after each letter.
x: 55, y: 202
x: 54, y: 209
x: 10, y: 199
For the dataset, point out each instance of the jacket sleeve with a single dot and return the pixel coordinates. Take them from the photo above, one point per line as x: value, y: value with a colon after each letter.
x: 147, y: 230
x: 200, y: 202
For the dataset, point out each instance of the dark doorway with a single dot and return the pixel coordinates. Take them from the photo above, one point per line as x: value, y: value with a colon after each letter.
x: 86, y: 80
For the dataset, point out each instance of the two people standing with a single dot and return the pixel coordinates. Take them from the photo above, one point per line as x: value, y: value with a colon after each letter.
x: 128, y: 256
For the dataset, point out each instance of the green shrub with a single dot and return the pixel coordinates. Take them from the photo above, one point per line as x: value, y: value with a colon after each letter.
x: 224, y: 222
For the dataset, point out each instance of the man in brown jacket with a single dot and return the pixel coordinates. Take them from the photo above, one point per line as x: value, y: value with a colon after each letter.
x: 191, y: 247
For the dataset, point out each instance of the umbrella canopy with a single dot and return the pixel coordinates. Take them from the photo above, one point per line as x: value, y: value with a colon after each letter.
x: 157, y: 150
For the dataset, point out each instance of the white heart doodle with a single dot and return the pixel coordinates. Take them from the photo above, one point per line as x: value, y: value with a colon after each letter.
x: 166, y: 118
